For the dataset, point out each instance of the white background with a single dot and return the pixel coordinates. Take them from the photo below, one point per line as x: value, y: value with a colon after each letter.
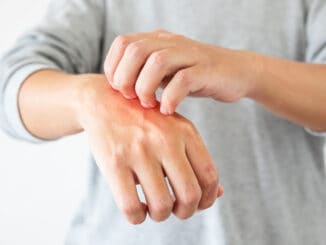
x: 40, y: 185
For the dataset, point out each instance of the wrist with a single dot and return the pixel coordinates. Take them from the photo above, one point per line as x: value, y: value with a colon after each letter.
x: 90, y: 90
x: 255, y: 70
x: 252, y: 68
x: 238, y: 74
x: 47, y: 104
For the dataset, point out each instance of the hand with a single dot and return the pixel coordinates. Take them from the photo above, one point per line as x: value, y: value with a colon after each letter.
x: 132, y: 145
x: 138, y: 64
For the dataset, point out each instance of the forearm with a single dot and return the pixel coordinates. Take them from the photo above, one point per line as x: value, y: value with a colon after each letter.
x: 47, y: 102
x: 293, y: 90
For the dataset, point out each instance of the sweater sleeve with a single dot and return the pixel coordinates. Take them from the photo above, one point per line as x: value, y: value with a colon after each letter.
x: 69, y: 39
x: 316, y: 38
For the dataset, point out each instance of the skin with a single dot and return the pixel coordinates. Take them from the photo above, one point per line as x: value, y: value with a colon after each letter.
x: 54, y: 104
x: 138, y: 64
x: 131, y: 145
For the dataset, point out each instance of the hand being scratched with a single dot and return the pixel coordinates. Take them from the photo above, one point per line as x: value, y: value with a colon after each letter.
x: 135, y: 145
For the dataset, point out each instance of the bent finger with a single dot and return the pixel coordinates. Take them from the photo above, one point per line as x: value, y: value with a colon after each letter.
x: 158, y: 197
x: 181, y: 85
x: 116, y: 52
x: 205, y: 170
x: 159, y: 65
x: 184, y: 185
x: 132, y: 61
x: 125, y: 194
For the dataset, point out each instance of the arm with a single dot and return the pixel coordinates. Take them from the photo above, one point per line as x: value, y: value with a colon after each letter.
x: 54, y: 104
x: 47, y: 103
x: 293, y: 90
x: 43, y: 97
x: 55, y: 43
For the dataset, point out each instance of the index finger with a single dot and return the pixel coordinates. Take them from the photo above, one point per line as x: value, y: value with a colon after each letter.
x: 117, y: 50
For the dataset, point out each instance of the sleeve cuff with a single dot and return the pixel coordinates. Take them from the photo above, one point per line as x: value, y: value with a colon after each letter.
x: 11, y: 107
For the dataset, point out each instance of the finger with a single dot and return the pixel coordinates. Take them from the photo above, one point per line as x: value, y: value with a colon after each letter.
x: 133, y: 59
x: 184, y: 185
x: 125, y: 194
x: 116, y: 52
x: 114, y: 55
x: 181, y: 85
x: 118, y: 47
x: 158, y: 197
x: 205, y: 170
x: 137, y: 180
x: 166, y: 81
x: 220, y: 191
x: 119, y: 177
x: 159, y: 65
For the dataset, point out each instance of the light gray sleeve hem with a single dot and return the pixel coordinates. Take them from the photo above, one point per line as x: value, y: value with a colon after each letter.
x: 11, y: 108
x: 310, y: 131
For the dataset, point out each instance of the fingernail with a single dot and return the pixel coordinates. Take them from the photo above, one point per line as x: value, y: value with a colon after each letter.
x: 147, y: 105
x: 114, y: 86
x: 166, y: 111
x: 130, y: 96
x: 163, y: 110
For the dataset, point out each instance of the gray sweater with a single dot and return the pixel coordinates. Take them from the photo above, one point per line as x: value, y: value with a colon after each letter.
x: 272, y: 170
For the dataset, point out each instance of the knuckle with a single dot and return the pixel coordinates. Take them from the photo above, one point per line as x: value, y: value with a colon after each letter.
x: 209, y: 190
x: 176, y: 36
x: 183, y: 77
x: 161, y: 33
x: 136, y: 221
x: 209, y: 187
x: 211, y: 178
x: 166, y: 140
x: 184, y: 215
x: 117, y: 158
x: 129, y: 209
x: 159, y: 139
x: 191, y: 198
x: 188, y: 128
x: 161, y: 210
x: 206, y: 203
x: 132, y: 212
x: 134, y: 50
x: 140, y: 140
x: 160, y: 30
x: 121, y: 41
x: 157, y: 59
